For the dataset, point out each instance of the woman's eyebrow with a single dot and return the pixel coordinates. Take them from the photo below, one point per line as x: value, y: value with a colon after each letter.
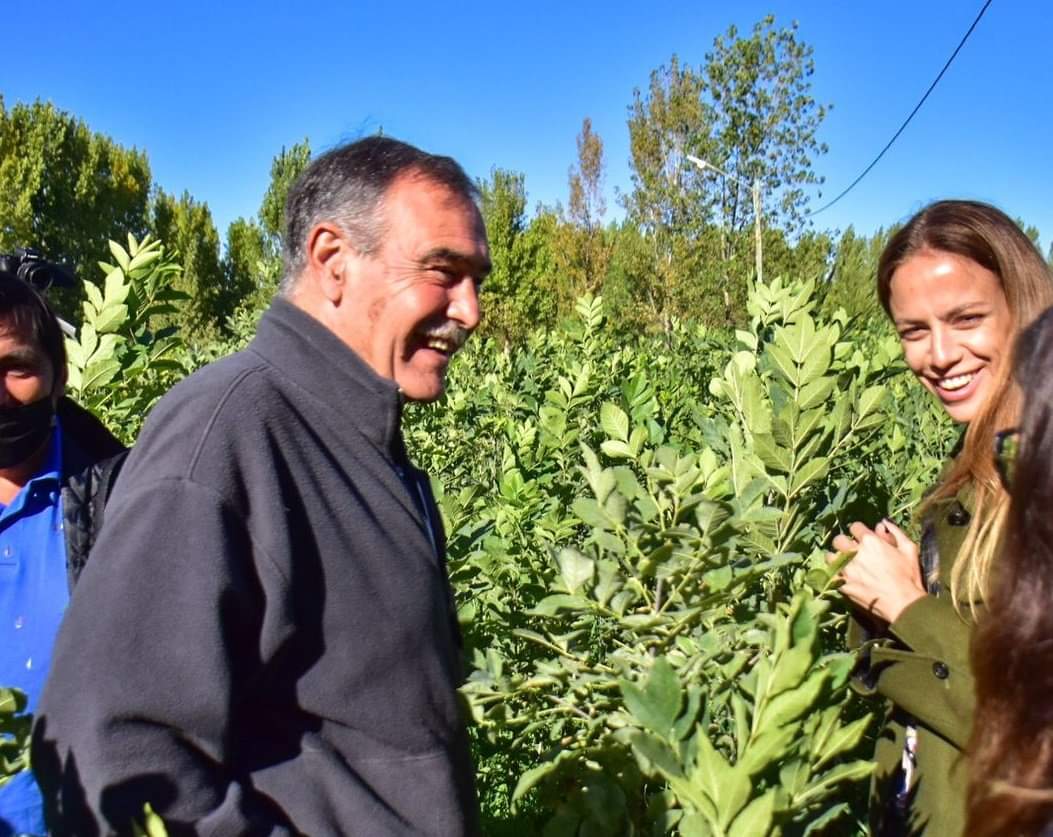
x: 956, y: 311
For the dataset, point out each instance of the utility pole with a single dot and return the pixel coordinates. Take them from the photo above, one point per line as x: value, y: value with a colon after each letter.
x: 755, y: 190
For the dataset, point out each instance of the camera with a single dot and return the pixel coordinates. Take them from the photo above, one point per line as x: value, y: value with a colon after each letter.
x: 31, y: 267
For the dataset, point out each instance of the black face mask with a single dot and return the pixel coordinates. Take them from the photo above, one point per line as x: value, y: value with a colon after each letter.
x: 24, y: 429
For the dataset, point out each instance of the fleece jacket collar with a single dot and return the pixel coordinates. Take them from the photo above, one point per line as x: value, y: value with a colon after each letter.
x: 306, y: 351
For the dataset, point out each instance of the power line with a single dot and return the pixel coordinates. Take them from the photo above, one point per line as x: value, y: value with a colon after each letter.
x: 906, y: 122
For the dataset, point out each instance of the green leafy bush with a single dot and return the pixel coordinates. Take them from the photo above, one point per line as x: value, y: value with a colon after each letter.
x: 14, y: 734
x: 120, y: 364
x: 636, y: 525
x: 637, y: 528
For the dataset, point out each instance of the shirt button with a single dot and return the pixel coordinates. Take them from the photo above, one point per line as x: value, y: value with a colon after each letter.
x: 941, y: 670
x: 19, y: 622
x: 8, y: 552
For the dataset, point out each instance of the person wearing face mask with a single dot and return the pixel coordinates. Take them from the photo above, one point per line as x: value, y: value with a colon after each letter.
x: 960, y: 281
x: 57, y: 464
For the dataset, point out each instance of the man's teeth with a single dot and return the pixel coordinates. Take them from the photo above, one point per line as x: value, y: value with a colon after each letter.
x: 440, y: 345
x: 957, y: 382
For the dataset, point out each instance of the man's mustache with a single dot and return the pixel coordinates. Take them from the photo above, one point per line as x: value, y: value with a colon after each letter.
x: 449, y: 331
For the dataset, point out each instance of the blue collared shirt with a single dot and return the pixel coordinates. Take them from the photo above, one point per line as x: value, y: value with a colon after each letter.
x: 34, y: 593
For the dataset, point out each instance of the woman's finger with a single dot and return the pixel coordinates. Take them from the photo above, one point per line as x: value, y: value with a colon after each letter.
x: 902, y: 540
x: 860, y: 530
x: 883, y: 532
x: 843, y: 543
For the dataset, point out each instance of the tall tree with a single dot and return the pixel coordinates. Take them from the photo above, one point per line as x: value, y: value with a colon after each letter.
x: 765, y: 122
x: 252, y: 264
x: 186, y: 227
x: 504, y: 213
x: 668, y: 202
x: 748, y: 111
x: 66, y: 189
x: 853, y: 275
x: 587, y: 249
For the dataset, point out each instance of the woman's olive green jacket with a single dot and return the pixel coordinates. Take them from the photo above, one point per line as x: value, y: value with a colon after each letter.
x: 921, y: 665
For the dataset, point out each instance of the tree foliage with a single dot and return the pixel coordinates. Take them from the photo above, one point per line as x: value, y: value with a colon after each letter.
x: 748, y: 111
x: 192, y: 238
x: 636, y: 540
x: 764, y: 122
x: 65, y: 189
x: 253, y: 263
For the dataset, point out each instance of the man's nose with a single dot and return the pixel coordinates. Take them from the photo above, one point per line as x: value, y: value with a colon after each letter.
x: 464, y: 303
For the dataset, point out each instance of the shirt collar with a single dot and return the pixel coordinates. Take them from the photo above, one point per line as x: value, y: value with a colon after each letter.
x: 49, y: 475
x: 293, y: 341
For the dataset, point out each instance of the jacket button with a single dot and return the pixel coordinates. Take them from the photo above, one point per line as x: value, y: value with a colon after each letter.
x: 941, y: 670
x: 958, y: 517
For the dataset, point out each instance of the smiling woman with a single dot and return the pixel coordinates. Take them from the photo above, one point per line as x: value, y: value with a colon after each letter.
x: 960, y: 281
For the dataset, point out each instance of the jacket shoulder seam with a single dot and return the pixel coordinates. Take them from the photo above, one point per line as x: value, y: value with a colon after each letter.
x: 214, y: 417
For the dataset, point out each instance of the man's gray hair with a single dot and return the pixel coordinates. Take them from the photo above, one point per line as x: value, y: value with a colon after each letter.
x: 347, y: 186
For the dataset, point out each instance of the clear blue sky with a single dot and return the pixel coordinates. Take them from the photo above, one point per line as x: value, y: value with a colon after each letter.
x: 213, y: 90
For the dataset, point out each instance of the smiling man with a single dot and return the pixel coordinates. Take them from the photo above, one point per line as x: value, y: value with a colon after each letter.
x: 265, y: 640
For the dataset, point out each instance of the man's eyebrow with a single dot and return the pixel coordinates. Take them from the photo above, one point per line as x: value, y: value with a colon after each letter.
x: 480, y: 266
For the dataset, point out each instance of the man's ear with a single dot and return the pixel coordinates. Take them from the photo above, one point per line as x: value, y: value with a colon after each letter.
x: 330, y: 260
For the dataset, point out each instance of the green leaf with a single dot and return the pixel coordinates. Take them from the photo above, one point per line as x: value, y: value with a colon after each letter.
x: 535, y: 775
x: 99, y: 373
x: 591, y: 513
x: 811, y: 471
x: 727, y: 786
x: 575, y: 568
x: 784, y: 363
x: 657, y: 704
x: 815, y: 393
x: 551, y: 605
x: 614, y: 421
x: 747, y: 339
x: 771, y: 746
x: 94, y: 297
x: 119, y: 255
x: 756, y: 819
x: 843, y: 740
x: 774, y: 457
x: 790, y: 705
x: 111, y: 318
x: 871, y: 399
x: 656, y: 753
x: 12, y: 701
x: 851, y: 772
x: 616, y: 449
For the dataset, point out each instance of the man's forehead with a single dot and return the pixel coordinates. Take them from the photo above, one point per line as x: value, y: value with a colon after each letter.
x: 424, y: 209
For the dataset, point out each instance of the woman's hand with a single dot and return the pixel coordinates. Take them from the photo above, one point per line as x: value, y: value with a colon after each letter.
x: 884, y: 576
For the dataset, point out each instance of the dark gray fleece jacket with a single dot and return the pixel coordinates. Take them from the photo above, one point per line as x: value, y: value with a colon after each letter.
x: 264, y: 640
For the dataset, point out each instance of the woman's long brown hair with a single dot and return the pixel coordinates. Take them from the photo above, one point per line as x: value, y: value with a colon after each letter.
x: 1011, y: 750
x: 990, y: 238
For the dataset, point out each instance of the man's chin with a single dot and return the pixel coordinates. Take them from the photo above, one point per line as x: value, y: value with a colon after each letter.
x: 422, y: 391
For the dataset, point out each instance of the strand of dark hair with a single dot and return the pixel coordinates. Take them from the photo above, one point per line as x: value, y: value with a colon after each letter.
x: 1011, y: 750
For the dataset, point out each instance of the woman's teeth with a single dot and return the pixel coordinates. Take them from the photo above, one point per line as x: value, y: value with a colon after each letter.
x: 957, y: 382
